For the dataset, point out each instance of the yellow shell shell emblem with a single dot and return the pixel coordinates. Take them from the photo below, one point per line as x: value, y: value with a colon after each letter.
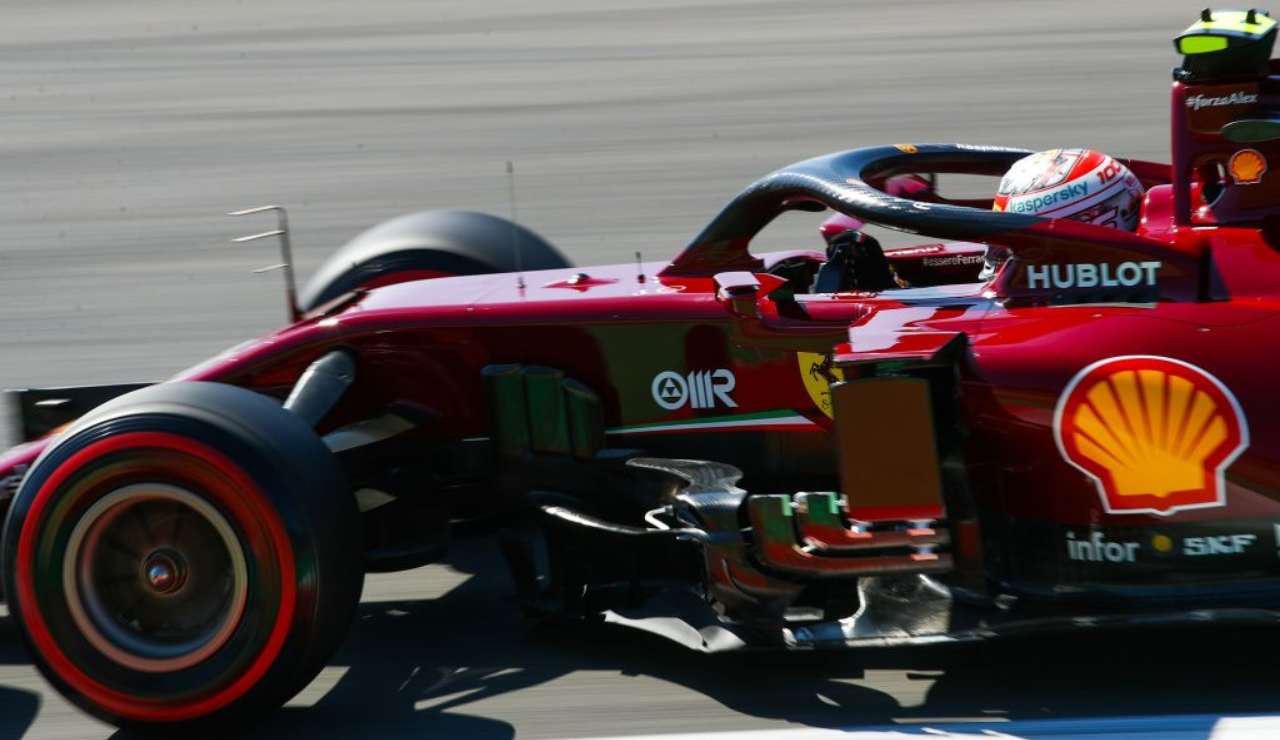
x: 818, y: 375
x: 1155, y: 434
x: 1247, y: 167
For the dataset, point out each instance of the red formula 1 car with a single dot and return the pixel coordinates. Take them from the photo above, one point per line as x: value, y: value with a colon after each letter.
x: 729, y: 449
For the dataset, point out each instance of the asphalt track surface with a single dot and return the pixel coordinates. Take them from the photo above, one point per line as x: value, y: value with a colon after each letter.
x: 127, y: 128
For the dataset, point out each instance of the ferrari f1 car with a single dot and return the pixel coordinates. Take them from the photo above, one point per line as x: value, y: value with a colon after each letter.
x: 803, y: 449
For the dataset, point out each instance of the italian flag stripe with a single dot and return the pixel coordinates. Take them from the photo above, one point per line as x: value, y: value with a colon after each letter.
x: 774, y: 420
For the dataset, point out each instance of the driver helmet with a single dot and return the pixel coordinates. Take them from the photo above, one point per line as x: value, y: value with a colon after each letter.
x: 1080, y: 184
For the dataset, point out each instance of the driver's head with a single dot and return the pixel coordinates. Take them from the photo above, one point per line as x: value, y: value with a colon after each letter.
x: 1080, y: 184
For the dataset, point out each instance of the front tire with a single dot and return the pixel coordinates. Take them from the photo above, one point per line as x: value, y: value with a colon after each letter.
x: 188, y: 553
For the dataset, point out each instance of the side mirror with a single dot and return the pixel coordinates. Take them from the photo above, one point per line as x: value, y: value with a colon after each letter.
x: 740, y: 291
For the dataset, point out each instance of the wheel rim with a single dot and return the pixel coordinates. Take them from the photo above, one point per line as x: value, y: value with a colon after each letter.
x: 155, y: 577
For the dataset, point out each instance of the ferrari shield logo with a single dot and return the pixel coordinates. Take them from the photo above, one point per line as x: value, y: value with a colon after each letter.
x: 818, y: 375
x: 1154, y: 433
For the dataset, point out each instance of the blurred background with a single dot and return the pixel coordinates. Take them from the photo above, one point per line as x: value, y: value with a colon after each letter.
x: 128, y: 128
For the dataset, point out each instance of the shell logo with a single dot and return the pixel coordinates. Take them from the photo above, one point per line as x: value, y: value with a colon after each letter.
x: 1247, y: 166
x: 1154, y: 433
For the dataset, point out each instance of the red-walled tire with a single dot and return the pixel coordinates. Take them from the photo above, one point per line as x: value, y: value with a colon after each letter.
x: 187, y: 554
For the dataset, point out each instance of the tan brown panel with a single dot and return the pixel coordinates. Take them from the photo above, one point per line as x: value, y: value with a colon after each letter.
x: 888, y: 450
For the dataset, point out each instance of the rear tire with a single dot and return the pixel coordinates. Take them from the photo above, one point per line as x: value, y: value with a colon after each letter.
x: 186, y: 554
x: 429, y: 244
